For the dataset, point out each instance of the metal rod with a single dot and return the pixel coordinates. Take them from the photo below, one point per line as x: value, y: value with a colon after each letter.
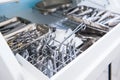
x: 110, y: 71
x: 80, y: 26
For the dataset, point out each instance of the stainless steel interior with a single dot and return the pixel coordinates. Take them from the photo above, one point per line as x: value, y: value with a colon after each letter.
x: 50, y: 55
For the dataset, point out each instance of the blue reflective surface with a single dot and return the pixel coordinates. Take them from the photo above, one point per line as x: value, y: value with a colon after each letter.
x: 17, y: 7
x: 24, y: 8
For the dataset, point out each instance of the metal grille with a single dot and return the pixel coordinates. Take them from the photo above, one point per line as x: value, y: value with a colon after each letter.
x: 46, y: 53
x: 49, y: 58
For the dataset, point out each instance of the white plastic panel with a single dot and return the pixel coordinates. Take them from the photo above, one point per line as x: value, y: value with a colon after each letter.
x: 5, y: 1
x: 9, y: 67
x: 94, y: 60
x: 114, y: 6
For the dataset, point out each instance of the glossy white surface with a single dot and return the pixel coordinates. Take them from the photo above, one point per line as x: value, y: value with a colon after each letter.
x: 94, y: 60
x: 5, y: 1
x: 9, y: 67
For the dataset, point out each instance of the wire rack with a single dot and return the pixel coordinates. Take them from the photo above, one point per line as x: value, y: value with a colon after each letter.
x: 50, y: 60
